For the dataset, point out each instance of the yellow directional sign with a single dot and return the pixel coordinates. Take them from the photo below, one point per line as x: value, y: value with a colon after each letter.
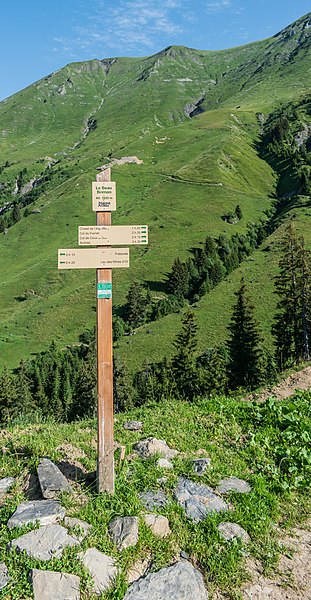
x: 93, y: 258
x: 105, y: 235
x: 104, y: 196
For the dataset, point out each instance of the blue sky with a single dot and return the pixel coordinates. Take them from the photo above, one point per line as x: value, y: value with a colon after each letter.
x: 38, y: 36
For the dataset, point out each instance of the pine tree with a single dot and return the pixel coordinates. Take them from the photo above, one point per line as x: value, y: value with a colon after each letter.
x: 291, y: 328
x: 8, y: 395
x: 135, y: 307
x: 238, y: 212
x: 66, y: 395
x: 244, y: 345
x: 178, y: 281
x: 16, y: 214
x: 214, y: 376
x: 84, y: 394
x: 24, y: 405
x: 122, y: 386
x: 55, y: 401
x: 183, y: 363
x: 210, y: 247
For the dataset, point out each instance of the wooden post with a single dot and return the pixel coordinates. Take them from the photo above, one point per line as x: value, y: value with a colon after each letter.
x: 105, y: 442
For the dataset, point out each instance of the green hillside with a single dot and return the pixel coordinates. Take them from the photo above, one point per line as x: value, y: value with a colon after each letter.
x: 195, y: 118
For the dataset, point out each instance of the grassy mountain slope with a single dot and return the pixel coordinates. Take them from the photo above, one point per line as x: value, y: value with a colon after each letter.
x: 194, y: 171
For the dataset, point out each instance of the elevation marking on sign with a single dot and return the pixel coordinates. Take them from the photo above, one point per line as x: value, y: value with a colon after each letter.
x: 104, y: 196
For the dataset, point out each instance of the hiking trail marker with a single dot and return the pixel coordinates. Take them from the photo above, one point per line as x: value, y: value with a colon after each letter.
x: 103, y: 258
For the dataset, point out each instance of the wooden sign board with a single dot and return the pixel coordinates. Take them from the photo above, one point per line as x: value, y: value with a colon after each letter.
x: 93, y: 258
x: 101, y: 235
x: 104, y: 196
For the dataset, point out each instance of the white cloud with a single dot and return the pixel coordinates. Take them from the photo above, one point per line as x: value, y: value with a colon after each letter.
x: 218, y: 6
x: 128, y: 26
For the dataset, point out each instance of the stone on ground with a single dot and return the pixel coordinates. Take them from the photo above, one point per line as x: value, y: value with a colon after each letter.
x: 124, y: 532
x: 233, y: 484
x: 179, y: 582
x: 200, y: 465
x: 198, y: 500
x: 101, y: 567
x: 5, y: 484
x: 44, y: 543
x: 4, y: 575
x: 43, y: 511
x: 138, y: 569
x: 133, y: 425
x: 230, y: 531
x: 51, y: 479
x: 151, y: 446
x: 81, y: 528
x: 158, y: 524
x: 153, y: 500
x: 51, y: 585
x: 163, y: 463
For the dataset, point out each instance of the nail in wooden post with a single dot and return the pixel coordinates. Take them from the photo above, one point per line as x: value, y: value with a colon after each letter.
x: 105, y: 442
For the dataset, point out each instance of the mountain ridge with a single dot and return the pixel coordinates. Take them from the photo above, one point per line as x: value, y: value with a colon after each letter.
x: 193, y: 120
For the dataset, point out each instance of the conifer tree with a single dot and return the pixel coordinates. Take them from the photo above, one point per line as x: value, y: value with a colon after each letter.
x: 215, y: 378
x: 292, y: 326
x: 178, y: 281
x: 24, y: 404
x: 184, y: 363
x: 84, y: 394
x: 122, y: 386
x: 135, y: 307
x: 238, y: 212
x: 16, y: 214
x: 244, y: 345
x: 8, y: 395
x: 210, y: 247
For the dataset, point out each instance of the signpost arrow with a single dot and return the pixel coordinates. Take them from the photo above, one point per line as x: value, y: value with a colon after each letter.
x: 116, y: 234
x: 93, y: 258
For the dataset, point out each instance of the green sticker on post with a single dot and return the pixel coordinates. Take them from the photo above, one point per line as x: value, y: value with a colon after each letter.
x: 104, y: 290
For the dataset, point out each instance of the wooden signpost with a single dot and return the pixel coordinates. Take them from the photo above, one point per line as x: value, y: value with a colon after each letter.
x: 104, y: 259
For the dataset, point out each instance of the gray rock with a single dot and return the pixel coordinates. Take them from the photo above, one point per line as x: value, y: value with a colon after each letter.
x: 81, y: 528
x: 101, y: 567
x: 4, y: 575
x: 158, y: 524
x: 52, y: 481
x: 233, y: 484
x: 133, y: 425
x: 179, y: 582
x: 200, y: 465
x: 198, y: 500
x: 51, y: 585
x: 43, y: 511
x: 124, y: 531
x: 151, y: 446
x: 163, y: 463
x: 5, y: 484
x: 153, y: 500
x: 44, y: 543
x: 229, y: 531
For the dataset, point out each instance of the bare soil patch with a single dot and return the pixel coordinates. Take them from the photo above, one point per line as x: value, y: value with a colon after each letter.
x: 286, y: 388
